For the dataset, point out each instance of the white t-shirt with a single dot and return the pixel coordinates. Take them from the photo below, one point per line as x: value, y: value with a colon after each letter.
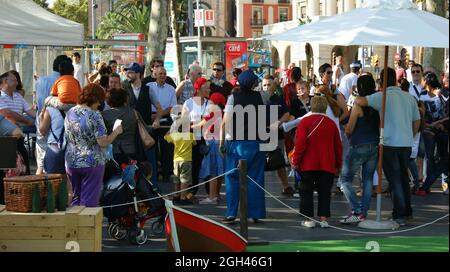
x: 434, y: 106
x: 413, y: 92
x: 333, y: 117
x: 196, y: 112
x: 79, y: 73
x: 347, y: 82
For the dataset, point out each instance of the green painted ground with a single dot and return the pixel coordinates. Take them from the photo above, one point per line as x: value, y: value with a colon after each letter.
x: 394, y: 244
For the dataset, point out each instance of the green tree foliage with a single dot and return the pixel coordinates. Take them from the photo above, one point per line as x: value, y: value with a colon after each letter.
x: 124, y: 19
x: 77, y: 12
x: 42, y: 3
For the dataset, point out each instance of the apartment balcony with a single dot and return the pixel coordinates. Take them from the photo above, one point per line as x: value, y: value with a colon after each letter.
x: 258, y: 22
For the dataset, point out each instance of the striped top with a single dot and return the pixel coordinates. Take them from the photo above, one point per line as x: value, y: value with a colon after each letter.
x: 16, y: 103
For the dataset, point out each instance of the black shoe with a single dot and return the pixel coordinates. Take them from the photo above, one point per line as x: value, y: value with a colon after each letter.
x: 255, y: 220
x: 288, y: 192
x: 229, y: 220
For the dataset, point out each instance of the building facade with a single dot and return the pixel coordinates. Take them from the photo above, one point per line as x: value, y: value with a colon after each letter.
x: 252, y: 15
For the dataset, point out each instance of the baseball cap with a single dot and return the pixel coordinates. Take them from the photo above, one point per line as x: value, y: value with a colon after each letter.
x: 355, y: 64
x: 135, y: 67
x: 247, y: 78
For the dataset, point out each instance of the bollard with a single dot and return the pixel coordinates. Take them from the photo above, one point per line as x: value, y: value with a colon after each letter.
x: 243, y: 198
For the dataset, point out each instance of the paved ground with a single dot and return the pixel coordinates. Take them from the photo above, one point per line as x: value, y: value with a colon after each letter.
x: 283, y: 225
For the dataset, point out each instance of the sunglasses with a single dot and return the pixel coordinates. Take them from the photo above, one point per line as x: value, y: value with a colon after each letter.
x: 217, y: 70
x: 319, y: 94
x: 416, y: 72
x: 330, y: 72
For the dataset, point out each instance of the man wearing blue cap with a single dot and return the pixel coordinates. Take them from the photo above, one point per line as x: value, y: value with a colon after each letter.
x: 242, y: 145
x: 139, y: 99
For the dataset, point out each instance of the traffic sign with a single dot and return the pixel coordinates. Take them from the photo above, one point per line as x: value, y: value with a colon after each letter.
x: 204, y: 17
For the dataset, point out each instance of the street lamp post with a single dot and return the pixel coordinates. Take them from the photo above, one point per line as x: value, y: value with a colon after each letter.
x: 94, y: 7
x: 199, y: 43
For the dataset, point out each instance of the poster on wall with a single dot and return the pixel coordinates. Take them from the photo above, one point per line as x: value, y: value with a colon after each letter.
x: 258, y: 58
x: 236, y: 55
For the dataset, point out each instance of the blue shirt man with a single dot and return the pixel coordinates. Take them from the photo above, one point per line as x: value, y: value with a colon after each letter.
x: 402, y: 121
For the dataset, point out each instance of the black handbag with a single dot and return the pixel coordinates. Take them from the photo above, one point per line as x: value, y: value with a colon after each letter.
x: 274, y: 160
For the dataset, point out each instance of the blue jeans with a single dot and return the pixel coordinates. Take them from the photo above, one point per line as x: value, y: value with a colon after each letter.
x: 367, y: 157
x: 345, y: 150
x: 414, y: 172
x: 438, y: 165
x: 150, y: 154
x: 395, y: 166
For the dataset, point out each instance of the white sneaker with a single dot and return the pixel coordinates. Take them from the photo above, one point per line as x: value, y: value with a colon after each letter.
x: 324, y: 224
x: 446, y: 191
x: 309, y: 224
x: 208, y: 201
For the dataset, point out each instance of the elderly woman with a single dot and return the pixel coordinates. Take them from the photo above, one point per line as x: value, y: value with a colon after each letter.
x: 124, y: 146
x: 86, y: 135
x: 243, y: 145
x: 318, y: 157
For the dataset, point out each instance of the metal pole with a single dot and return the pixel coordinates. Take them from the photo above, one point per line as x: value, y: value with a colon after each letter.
x: 190, y: 18
x: 381, y: 147
x: 94, y: 6
x: 48, y: 60
x: 199, y: 42
x: 243, y: 198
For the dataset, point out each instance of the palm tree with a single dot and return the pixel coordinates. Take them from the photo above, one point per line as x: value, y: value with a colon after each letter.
x: 130, y: 19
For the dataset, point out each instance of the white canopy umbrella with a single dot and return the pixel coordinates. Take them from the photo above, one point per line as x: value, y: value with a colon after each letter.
x: 377, y: 22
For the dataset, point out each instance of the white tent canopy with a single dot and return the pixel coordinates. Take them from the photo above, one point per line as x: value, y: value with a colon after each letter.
x: 379, y: 22
x: 23, y: 22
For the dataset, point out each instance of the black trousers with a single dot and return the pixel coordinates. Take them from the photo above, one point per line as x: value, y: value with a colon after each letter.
x: 395, y: 166
x: 321, y: 180
x: 164, y: 153
x: 197, y: 159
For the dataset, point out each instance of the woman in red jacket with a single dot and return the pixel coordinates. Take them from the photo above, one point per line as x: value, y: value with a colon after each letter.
x: 318, y: 157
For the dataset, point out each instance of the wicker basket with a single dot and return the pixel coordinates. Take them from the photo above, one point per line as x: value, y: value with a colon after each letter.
x: 19, y: 190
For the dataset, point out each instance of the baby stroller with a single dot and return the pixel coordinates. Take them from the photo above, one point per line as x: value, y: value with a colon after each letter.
x: 129, y: 183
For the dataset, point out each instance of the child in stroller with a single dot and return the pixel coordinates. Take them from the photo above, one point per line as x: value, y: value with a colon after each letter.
x: 129, y: 184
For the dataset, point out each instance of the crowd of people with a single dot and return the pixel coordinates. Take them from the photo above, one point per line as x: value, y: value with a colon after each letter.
x: 198, y: 131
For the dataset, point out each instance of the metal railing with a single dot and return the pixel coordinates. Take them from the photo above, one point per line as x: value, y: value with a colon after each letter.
x: 257, y: 22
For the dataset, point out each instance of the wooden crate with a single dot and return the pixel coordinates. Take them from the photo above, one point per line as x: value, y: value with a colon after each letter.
x: 52, y: 232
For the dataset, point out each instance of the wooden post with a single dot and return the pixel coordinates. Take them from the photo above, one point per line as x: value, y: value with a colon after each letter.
x: 243, y: 198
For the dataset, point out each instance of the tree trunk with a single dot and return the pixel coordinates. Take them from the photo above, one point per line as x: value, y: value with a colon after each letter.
x: 157, y: 34
x: 434, y: 57
x: 176, y: 38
